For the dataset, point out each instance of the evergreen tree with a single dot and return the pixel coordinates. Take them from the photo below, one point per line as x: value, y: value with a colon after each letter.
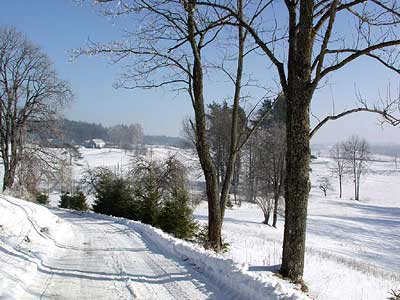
x: 65, y: 200
x: 42, y: 198
x: 176, y: 216
x: 114, y: 196
x: 76, y: 201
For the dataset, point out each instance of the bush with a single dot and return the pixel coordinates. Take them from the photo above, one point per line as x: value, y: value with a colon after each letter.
x: 147, y: 203
x: 114, y: 196
x: 76, y: 201
x: 176, y: 217
x: 42, y: 198
x: 65, y: 200
x: 156, y: 194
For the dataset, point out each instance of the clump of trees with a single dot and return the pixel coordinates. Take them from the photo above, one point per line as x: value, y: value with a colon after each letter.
x: 266, y: 159
x: 121, y: 135
x: 153, y: 192
x: 351, y: 157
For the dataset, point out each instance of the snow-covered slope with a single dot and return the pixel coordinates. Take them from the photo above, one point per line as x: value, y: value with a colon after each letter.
x: 352, y: 246
x: 28, y: 236
x: 63, y: 254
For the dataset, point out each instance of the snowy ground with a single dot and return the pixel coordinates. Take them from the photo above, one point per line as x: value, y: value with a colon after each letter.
x: 352, y: 246
x: 59, y: 254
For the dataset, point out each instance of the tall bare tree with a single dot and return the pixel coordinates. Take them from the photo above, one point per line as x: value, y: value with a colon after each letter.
x: 305, y: 44
x: 357, y: 153
x: 31, y: 95
x: 339, y: 164
x: 168, y: 49
x: 270, y: 166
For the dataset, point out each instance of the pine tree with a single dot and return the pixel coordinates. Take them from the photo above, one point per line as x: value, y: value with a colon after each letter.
x: 176, y: 216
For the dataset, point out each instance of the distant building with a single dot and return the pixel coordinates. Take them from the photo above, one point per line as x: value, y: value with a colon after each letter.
x: 95, y: 143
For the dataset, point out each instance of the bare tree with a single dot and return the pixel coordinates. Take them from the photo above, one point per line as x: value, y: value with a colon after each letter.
x: 31, y: 95
x: 324, y: 184
x: 265, y: 202
x: 305, y: 47
x: 270, y: 152
x: 356, y: 151
x: 311, y: 48
x: 168, y: 49
x: 339, y: 164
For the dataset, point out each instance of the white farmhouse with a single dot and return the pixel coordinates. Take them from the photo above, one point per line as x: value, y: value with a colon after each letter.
x: 95, y: 143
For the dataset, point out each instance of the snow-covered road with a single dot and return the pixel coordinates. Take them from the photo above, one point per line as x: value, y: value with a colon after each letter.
x: 59, y: 254
x: 89, y: 258
x: 107, y: 260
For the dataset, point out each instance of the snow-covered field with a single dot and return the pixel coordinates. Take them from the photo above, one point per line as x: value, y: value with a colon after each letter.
x: 353, y: 247
x: 60, y: 254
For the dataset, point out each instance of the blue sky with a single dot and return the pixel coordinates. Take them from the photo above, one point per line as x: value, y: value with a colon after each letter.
x: 61, y: 25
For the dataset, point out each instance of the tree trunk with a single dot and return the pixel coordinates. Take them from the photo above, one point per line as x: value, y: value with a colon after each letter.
x: 202, y: 146
x: 8, y: 178
x: 266, y: 217
x: 275, y: 213
x: 357, y: 189
x: 340, y: 186
x: 214, y: 214
x: 297, y: 188
x: 250, y: 184
x: 299, y: 91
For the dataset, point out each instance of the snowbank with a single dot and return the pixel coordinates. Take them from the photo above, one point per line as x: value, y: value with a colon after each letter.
x: 28, y: 233
x: 225, y: 272
x: 235, y: 278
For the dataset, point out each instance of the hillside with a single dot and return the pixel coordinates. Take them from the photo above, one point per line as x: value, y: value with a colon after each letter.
x: 348, y: 241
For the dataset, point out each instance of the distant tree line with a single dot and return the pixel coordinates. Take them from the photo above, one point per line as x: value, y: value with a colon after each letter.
x: 123, y: 136
x: 78, y: 132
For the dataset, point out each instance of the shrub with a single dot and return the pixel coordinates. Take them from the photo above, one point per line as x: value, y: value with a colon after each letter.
x: 147, y: 204
x: 76, y: 201
x: 65, y: 200
x: 114, y: 196
x: 155, y: 194
x: 176, y: 217
x: 42, y: 198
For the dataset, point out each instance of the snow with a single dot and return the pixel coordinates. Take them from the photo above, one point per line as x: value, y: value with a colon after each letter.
x: 352, y: 247
x: 90, y: 256
x: 27, y: 237
x: 235, y: 277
